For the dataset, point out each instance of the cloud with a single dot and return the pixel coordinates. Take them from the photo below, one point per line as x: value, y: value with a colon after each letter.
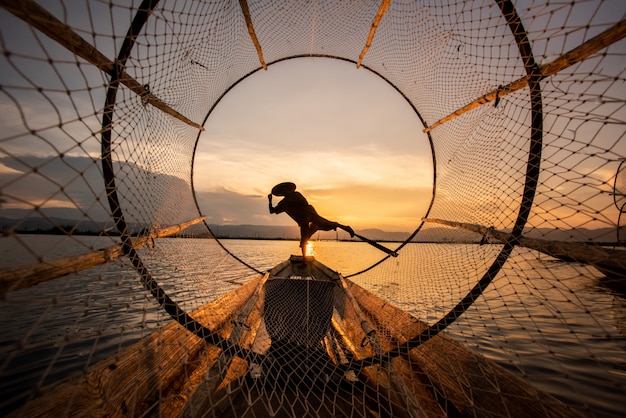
x: 388, y: 208
x: 70, y: 182
x: 45, y: 183
x: 343, y: 135
x: 249, y: 167
x: 224, y: 206
x: 56, y: 118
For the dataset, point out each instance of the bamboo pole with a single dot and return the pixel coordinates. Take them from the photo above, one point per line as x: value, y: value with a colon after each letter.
x: 20, y: 277
x: 578, y: 54
x: 246, y: 14
x: 384, y: 5
x: 608, y: 261
x: 39, y: 18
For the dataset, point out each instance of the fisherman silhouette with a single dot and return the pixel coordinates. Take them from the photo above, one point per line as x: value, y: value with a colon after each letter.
x: 305, y: 215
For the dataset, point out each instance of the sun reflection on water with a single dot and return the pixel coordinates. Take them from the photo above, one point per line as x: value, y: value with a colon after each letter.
x: 310, y: 249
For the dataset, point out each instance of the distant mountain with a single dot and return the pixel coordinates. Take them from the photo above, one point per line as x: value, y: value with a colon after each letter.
x: 380, y: 235
x: 430, y: 234
x: 54, y: 224
x: 293, y: 232
x: 15, y: 220
x: 443, y: 234
x: 57, y: 225
x: 255, y: 231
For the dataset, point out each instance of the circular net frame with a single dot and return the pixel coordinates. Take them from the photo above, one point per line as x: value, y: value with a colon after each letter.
x: 519, y: 256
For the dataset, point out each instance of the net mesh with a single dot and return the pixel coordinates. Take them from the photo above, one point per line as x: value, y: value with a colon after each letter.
x: 519, y: 256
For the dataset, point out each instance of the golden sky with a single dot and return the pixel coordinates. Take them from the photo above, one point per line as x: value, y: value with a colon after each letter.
x: 350, y: 142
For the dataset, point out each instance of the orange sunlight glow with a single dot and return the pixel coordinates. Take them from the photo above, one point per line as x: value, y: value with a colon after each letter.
x: 368, y: 168
x: 391, y: 209
x: 309, y: 250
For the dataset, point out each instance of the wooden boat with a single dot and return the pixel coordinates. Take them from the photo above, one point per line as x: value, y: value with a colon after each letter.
x: 305, y: 342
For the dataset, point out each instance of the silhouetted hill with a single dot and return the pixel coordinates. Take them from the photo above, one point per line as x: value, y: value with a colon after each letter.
x: 256, y: 231
x: 55, y: 225
x: 15, y: 220
x: 293, y: 232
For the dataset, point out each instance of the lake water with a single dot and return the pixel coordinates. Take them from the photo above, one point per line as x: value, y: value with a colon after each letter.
x: 550, y: 322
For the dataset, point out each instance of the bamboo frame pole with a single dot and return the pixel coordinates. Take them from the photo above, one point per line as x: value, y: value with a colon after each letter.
x: 39, y: 18
x: 578, y: 54
x: 384, y: 5
x: 20, y: 277
x: 605, y: 259
x: 246, y: 14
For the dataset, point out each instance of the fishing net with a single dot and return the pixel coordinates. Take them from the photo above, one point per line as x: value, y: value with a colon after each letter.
x: 118, y: 300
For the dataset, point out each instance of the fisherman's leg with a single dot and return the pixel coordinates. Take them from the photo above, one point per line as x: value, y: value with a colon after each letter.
x: 326, y: 225
x: 304, y: 237
x: 306, y: 232
x: 303, y: 240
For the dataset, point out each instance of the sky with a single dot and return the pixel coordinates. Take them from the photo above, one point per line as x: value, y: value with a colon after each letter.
x: 351, y: 143
x: 349, y: 140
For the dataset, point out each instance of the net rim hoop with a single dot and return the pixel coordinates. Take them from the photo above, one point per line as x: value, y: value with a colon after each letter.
x: 514, y: 23
x: 532, y: 171
x: 340, y: 58
x: 148, y: 281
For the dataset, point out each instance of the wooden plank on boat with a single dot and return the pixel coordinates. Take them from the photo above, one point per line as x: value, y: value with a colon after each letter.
x: 222, y: 375
x: 365, y: 326
x: 350, y: 334
x: 173, y: 373
x: 465, y: 379
x: 359, y: 336
x: 393, y: 401
x: 414, y: 383
x: 161, y: 371
x: 249, y: 319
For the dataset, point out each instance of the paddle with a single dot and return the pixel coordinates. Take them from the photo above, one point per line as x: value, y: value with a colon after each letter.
x: 377, y: 245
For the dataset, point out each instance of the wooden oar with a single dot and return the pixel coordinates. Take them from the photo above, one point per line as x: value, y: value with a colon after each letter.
x: 377, y: 245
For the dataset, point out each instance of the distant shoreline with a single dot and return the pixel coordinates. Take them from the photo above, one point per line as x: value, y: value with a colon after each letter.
x: 113, y: 233
x: 439, y: 235
x: 61, y: 231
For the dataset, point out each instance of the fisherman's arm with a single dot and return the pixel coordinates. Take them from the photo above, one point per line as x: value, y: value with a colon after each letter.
x: 274, y: 209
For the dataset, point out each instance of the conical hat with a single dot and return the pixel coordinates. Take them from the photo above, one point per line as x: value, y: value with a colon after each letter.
x: 283, y: 188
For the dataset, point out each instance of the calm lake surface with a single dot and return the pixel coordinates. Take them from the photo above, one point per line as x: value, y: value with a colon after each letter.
x: 555, y: 325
